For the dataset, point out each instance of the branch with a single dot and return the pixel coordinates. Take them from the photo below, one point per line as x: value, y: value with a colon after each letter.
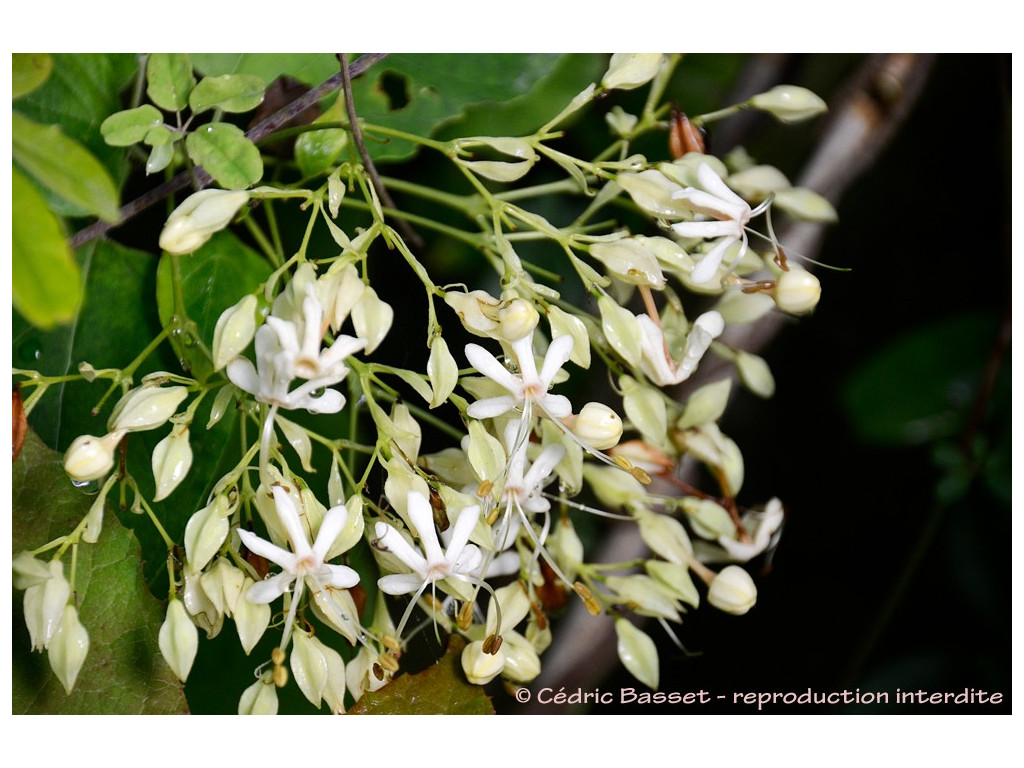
x: 201, y: 178
x: 866, y: 114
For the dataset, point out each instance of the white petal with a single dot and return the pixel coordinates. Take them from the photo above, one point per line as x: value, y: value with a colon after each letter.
x: 713, y: 183
x: 330, y: 527
x: 460, y: 533
x: 288, y: 514
x: 555, y: 406
x: 706, y: 269
x: 268, y: 590
x: 422, y: 517
x: 338, y: 576
x: 707, y: 229
x: 490, y: 407
x: 271, y: 552
x: 393, y: 542
x: 557, y: 356
x: 488, y: 365
x: 399, y: 583
x: 243, y: 375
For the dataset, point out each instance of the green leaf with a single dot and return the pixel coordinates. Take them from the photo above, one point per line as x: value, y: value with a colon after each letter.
x: 920, y: 387
x: 225, y: 153
x: 130, y: 126
x: 124, y: 672
x: 231, y: 93
x: 213, y: 279
x: 47, y: 283
x: 170, y: 80
x: 439, y: 690
x: 310, y: 68
x: 64, y: 166
x: 28, y: 72
x: 316, y: 151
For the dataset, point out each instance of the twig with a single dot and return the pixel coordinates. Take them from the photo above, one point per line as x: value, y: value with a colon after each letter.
x: 410, y: 236
x: 255, y: 134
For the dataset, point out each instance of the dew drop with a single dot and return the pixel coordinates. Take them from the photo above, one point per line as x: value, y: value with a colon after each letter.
x: 30, y: 349
x: 88, y: 487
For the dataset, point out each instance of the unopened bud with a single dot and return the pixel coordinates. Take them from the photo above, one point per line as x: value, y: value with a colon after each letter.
x: 481, y: 667
x: 630, y: 261
x: 372, y: 319
x: 732, y: 591
x: 797, y: 291
x: 260, y: 698
x: 598, y: 426
x: 146, y: 407
x: 236, y: 327
x: 789, y: 103
x: 309, y: 666
x: 631, y: 70
x: 522, y: 664
x: 517, y: 319
x: 90, y: 458
x: 68, y: 648
x: 172, y: 459
x: 198, y: 217
x: 178, y: 639
x: 45, y: 604
x: 637, y: 652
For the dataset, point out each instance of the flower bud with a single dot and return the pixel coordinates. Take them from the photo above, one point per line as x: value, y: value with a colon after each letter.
x: 499, y: 170
x: 204, y: 611
x: 789, y: 103
x: 442, y: 372
x: 480, y: 667
x: 706, y: 404
x: 666, y: 537
x: 236, y: 327
x: 372, y: 319
x: 566, y: 547
x: 638, y: 653
x: 178, y: 639
x: 516, y: 319
x: 172, y: 458
x: 251, y: 619
x: 564, y: 324
x: 68, y: 648
x: 522, y: 664
x: 146, y: 407
x: 334, y: 691
x: 755, y: 374
x: 45, y: 604
x: 309, y: 666
x: 598, y: 426
x: 198, y: 217
x: 477, y: 310
x: 260, y: 698
x: 28, y: 571
x: 732, y: 591
x: 613, y: 487
x: 630, y: 261
x: 90, y: 458
x: 675, y: 578
x: 708, y: 518
x: 205, y: 532
x: 631, y: 70
x: 653, y: 191
x: 797, y: 291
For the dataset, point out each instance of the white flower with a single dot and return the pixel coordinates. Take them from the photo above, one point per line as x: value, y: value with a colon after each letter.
x: 304, y: 563
x: 658, y: 365
x: 731, y: 214
x: 287, y: 350
x: 528, y: 386
x: 434, y: 564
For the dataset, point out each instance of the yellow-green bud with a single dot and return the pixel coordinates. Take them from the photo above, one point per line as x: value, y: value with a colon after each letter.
x: 68, y: 648
x: 631, y: 70
x: 198, y: 217
x: 517, y: 319
x: 146, y: 407
x: 178, y: 639
x: 251, y: 619
x: 637, y: 652
x: 236, y: 327
x: 797, y: 291
x: 732, y: 591
x: 45, y: 603
x: 789, y: 103
x: 598, y: 426
x: 480, y: 667
x: 309, y: 666
x: 260, y: 698
x: 90, y: 458
x: 205, y: 532
x: 522, y: 664
x: 172, y: 459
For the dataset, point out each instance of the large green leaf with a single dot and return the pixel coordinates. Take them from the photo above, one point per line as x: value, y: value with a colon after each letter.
x: 310, y: 68
x: 226, y: 154
x: 64, y: 166
x: 439, y: 690
x: 920, y: 387
x: 169, y: 80
x: 47, y: 283
x: 212, y: 279
x: 124, y: 672
x: 28, y: 72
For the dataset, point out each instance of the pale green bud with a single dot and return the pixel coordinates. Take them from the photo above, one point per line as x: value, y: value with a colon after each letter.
x: 539, y: 638
x: 485, y: 453
x: 564, y: 324
x: 221, y: 403
x: 197, y: 602
x: 706, y: 404
x: 251, y: 619
x: 653, y: 191
x: 675, y: 577
x: 178, y: 639
x: 756, y: 183
x: 442, y: 371
x: 621, y: 122
x: 498, y: 170
x: 707, y: 517
x: 298, y: 438
x: 797, y: 291
x: 522, y: 664
x: 806, y: 205
x: 644, y: 596
x: 637, y: 652
x: 372, y: 319
x: 339, y: 292
x: 566, y: 547
x: 732, y: 591
x: 172, y: 458
x: 90, y: 458
x: 235, y: 329
x: 739, y: 308
x: 45, y: 603
x: 515, y: 606
x: 789, y: 103
x: 28, y: 571
x: 631, y: 261
x: 621, y: 330
x: 755, y: 374
x: 309, y: 666
x: 517, y: 319
x: 223, y: 585
x: 613, y: 487
x: 260, y: 698
x: 408, y: 434
x: 598, y: 426
x: 646, y: 409
x: 198, y: 217
x: 352, y: 532
x: 206, y: 532
x: 477, y: 310
x: 334, y: 691
x: 146, y: 407
x: 68, y: 648
x: 480, y: 667
x: 631, y: 70
x: 666, y: 536
x: 709, y: 445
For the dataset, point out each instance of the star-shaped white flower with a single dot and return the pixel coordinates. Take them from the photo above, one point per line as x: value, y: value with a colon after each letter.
x: 433, y: 564
x: 730, y: 213
x: 286, y: 351
x: 656, y: 363
x: 528, y: 386
x: 305, y: 563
